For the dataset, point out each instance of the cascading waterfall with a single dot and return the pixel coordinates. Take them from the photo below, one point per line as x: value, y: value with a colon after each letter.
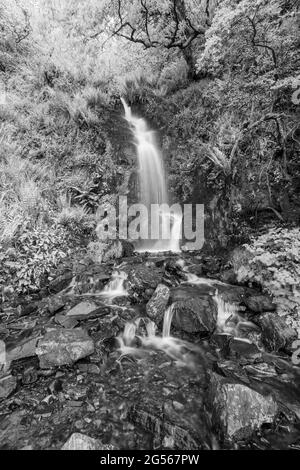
x: 153, y: 189
x: 115, y: 287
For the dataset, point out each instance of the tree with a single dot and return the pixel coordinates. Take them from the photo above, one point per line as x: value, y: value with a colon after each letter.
x: 168, y: 24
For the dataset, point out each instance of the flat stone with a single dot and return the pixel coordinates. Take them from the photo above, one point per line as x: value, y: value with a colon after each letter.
x: 86, y: 310
x: 156, y: 306
x: 26, y: 347
x: 63, y: 346
x: 80, y: 441
x: 8, y: 384
x: 238, y: 410
x: 66, y: 322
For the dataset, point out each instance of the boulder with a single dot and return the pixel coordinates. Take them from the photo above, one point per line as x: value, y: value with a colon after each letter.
x: 156, y: 306
x: 259, y: 303
x: 142, y: 278
x: 194, y: 310
x: 80, y: 441
x: 63, y: 346
x: 276, y: 334
x: 238, y: 410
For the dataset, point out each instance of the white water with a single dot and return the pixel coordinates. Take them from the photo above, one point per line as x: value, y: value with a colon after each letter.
x: 115, y: 287
x: 168, y: 317
x: 153, y: 189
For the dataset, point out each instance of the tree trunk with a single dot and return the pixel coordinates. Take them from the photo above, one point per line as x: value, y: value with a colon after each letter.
x: 189, y: 58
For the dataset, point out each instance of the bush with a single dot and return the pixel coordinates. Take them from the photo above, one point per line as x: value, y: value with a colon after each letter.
x: 273, y: 261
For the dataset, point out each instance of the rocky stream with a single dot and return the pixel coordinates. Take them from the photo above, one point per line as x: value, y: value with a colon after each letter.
x: 148, y: 351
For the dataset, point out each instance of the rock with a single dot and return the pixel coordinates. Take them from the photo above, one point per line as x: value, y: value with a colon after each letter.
x: 259, y: 303
x: 85, y: 310
x: 228, y: 276
x: 55, y: 304
x: 241, y: 347
x: 194, y: 311
x: 276, y: 334
x: 195, y: 269
x: 8, y: 384
x: 140, y: 278
x: 61, y: 282
x: 80, y: 441
x: 104, y: 251
x: 238, y: 410
x: 66, y: 322
x: 21, y: 348
x: 28, y: 309
x: 156, y: 306
x: 63, y: 346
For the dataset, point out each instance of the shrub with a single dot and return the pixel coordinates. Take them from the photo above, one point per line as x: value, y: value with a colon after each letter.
x: 273, y: 261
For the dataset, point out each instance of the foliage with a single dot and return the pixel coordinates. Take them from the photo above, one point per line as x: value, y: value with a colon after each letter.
x: 272, y: 261
x: 38, y: 251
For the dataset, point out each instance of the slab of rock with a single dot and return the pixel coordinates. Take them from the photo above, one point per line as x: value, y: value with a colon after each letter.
x: 61, y: 282
x: 156, y: 306
x: 80, y: 441
x: 8, y: 384
x: 66, y: 322
x: 238, y: 410
x: 259, y: 303
x: 63, y: 346
x: 276, y: 334
x: 21, y: 348
x: 194, y: 311
x: 85, y: 310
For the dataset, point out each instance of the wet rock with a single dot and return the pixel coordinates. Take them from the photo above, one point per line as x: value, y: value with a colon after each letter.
x: 22, y: 346
x: 85, y: 310
x: 55, y: 304
x: 194, y: 311
x: 80, y: 441
x: 196, y: 269
x: 66, y: 322
x: 157, y: 304
x: 29, y: 309
x: 276, y: 334
x: 63, y: 346
x: 259, y: 303
x: 238, y: 410
x: 141, y: 278
x: 243, y: 348
x: 228, y: 276
x: 8, y: 384
x: 61, y: 282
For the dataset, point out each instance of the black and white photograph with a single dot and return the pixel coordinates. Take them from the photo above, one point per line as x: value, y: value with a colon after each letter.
x: 149, y: 228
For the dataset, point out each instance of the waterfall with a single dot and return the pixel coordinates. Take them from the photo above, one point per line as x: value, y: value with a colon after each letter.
x: 153, y: 188
x: 115, y: 287
x: 168, y: 317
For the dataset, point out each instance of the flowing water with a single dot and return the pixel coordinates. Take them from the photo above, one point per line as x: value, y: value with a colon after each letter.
x: 115, y: 287
x: 153, y: 188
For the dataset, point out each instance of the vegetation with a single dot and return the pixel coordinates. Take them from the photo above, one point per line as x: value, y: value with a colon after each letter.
x: 215, y: 77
